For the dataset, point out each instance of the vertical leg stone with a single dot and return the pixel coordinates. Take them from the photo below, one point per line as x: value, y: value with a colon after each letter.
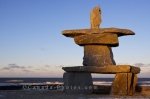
x: 124, y: 84
x: 120, y: 84
x: 132, y: 81
x: 80, y: 83
x: 98, y: 55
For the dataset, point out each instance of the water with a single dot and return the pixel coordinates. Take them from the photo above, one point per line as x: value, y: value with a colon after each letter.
x: 30, y: 80
x: 51, y: 81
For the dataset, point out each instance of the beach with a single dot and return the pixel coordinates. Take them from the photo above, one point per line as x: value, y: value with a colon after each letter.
x: 142, y: 92
x: 15, y: 94
x: 33, y: 88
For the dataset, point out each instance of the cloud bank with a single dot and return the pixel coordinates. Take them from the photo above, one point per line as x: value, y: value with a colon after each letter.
x: 15, y: 70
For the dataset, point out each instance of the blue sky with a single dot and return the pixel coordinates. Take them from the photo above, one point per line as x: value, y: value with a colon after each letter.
x: 31, y: 44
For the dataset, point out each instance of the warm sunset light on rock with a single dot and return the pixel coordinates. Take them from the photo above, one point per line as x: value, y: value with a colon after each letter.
x: 98, y: 58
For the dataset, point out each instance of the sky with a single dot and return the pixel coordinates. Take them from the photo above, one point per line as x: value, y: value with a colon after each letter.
x: 32, y: 45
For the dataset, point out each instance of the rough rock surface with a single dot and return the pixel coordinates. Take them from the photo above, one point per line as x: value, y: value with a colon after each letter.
x: 124, y: 84
x: 78, y: 32
x: 97, y: 44
x: 80, y: 83
x: 97, y: 39
x: 120, y: 84
x: 97, y: 55
x: 132, y: 82
x: 95, y: 17
x: 110, y: 69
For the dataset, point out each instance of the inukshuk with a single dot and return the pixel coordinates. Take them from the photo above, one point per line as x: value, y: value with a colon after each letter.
x: 98, y: 58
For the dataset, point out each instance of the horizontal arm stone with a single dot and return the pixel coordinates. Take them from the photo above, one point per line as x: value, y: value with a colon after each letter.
x: 112, y: 69
x: 97, y: 39
x: 78, y: 32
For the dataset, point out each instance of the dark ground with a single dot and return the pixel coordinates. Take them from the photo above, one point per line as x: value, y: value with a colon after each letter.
x: 60, y: 95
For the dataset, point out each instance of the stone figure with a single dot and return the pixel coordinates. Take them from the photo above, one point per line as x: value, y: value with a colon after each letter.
x: 98, y: 58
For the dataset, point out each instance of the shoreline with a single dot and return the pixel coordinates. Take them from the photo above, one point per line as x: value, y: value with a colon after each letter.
x: 102, y: 92
x: 22, y: 94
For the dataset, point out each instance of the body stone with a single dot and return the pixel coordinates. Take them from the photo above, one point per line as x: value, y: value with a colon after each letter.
x: 98, y: 55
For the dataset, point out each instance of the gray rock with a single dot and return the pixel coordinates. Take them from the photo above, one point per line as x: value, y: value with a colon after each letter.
x: 78, y: 83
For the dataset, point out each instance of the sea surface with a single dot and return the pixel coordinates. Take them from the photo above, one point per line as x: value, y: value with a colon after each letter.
x: 60, y: 80
x: 52, y: 83
x: 34, y: 92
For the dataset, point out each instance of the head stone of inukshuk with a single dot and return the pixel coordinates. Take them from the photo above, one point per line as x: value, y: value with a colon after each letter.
x: 95, y: 17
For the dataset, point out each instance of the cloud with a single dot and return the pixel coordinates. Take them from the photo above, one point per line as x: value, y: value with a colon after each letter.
x: 30, y: 66
x: 16, y: 66
x: 55, y: 66
x: 13, y: 66
x: 52, y: 70
x: 5, y: 68
x: 15, y: 70
x: 25, y: 70
x: 139, y: 64
x: 47, y: 66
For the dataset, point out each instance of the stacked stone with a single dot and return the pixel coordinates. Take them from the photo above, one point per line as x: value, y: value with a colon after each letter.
x: 97, y: 44
x: 98, y: 58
